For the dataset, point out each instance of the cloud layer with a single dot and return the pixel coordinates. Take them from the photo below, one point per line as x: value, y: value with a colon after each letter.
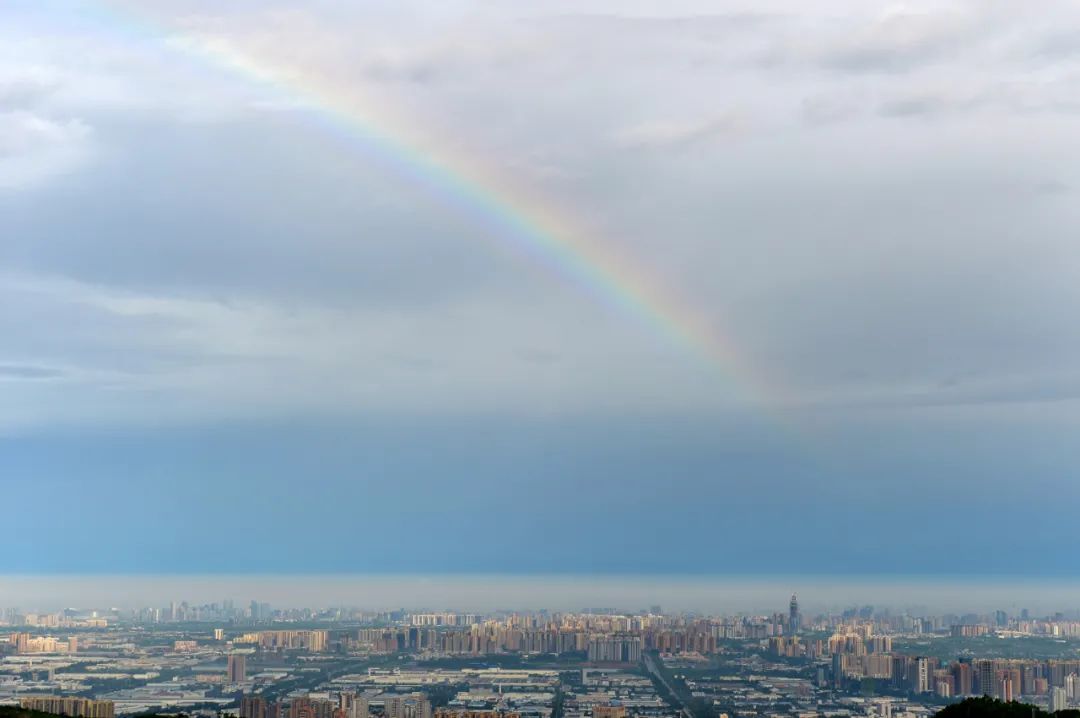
x: 874, y: 204
x: 229, y: 276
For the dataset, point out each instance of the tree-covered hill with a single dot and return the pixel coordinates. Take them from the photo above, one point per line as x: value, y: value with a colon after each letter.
x: 985, y: 707
x: 18, y: 712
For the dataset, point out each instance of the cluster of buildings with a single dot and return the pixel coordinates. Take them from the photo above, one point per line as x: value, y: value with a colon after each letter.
x: 477, y: 693
x: 445, y: 618
x: 264, y: 663
x: 178, y: 612
x: 69, y: 706
x: 753, y: 688
x: 603, y: 638
x: 614, y: 649
x: 314, y: 641
x: 525, y: 692
x: 857, y: 653
x: 59, y: 619
x: 610, y: 693
x: 346, y: 704
x: 22, y: 643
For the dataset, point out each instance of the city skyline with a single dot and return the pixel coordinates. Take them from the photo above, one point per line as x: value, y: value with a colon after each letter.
x: 494, y: 593
x: 266, y: 662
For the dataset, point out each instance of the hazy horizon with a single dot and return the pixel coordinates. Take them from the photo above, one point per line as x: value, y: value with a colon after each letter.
x: 712, y: 595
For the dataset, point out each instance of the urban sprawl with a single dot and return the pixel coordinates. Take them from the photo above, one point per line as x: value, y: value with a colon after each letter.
x: 256, y: 661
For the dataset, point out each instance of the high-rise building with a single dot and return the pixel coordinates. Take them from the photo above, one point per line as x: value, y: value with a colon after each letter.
x: 314, y: 641
x: 317, y: 641
x: 614, y: 649
x: 837, y: 670
x: 236, y: 671
x: 1058, y: 700
x: 880, y: 644
x: 985, y: 675
x: 301, y: 708
x: 219, y: 634
x: 962, y: 678
x: 414, y: 705
x: 353, y: 705
x: 793, y: 615
x: 921, y: 682
x: 252, y: 707
x: 1072, y: 686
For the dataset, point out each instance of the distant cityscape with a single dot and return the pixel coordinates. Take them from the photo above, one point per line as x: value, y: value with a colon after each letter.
x: 261, y: 661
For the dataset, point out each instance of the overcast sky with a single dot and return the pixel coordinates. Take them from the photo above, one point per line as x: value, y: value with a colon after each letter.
x: 227, y: 315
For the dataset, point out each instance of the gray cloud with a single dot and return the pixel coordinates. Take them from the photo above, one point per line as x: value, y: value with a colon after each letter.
x: 976, y: 391
x: 1059, y: 45
x: 23, y: 132
x: 228, y: 250
x: 1052, y: 187
x: 25, y: 90
x: 827, y: 109
x: 37, y: 142
x: 912, y: 107
x: 35, y: 148
x: 679, y: 134
x: 28, y: 372
x: 891, y: 40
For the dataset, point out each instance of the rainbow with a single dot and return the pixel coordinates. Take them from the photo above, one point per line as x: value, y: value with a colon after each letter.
x: 532, y: 226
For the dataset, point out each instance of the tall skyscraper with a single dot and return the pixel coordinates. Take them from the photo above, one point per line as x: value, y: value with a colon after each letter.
x: 921, y: 682
x: 962, y: 679
x: 793, y: 614
x: 1072, y: 686
x: 353, y: 705
x: 986, y: 676
x: 252, y: 707
x: 237, y: 668
x: 1058, y: 700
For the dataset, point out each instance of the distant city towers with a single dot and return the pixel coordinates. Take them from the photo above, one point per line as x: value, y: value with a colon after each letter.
x: 793, y: 615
